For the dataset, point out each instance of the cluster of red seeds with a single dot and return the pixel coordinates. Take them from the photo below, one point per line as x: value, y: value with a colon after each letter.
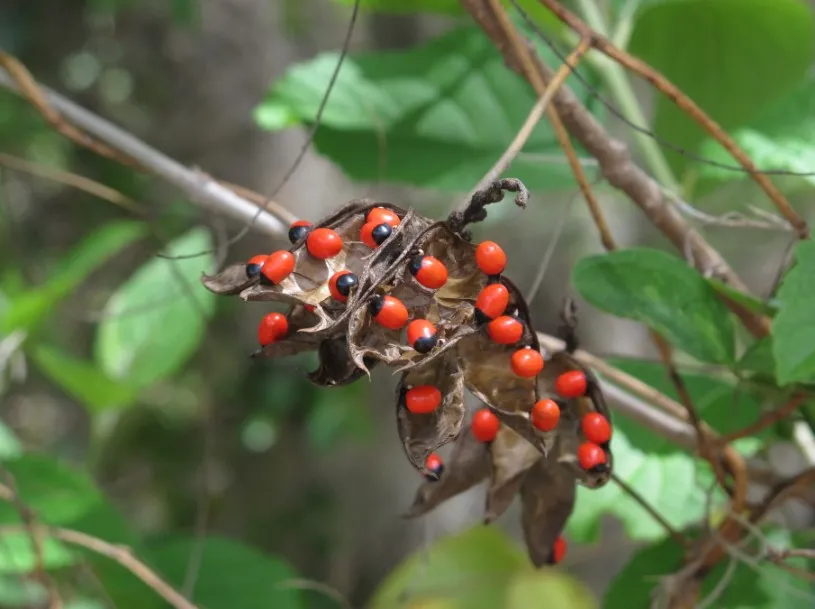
x: 491, y: 308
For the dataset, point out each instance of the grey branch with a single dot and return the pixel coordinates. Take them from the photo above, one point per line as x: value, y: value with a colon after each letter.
x: 200, y: 188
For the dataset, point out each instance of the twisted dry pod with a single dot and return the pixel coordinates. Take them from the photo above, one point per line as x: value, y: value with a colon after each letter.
x: 374, y: 283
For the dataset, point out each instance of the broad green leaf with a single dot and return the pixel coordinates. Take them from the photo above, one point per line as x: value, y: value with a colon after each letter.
x: 30, y: 308
x: 781, y: 138
x: 470, y: 570
x: 231, y: 575
x: 663, y: 292
x: 759, y: 586
x: 528, y: 590
x: 793, y: 327
x: 437, y: 116
x: 17, y: 554
x: 748, y: 301
x: 55, y: 491
x: 663, y: 473
x: 82, y: 380
x: 758, y: 358
x: 732, y: 57
x: 155, y: 321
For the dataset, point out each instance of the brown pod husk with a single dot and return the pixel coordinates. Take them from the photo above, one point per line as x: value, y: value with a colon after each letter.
x: 547, y: 500
x: 421, y: 434
x: 511, y: 457
x: 469, y: 464
x: 336, y: 366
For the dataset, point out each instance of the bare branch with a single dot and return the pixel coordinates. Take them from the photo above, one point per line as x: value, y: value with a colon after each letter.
x: 200, y: 188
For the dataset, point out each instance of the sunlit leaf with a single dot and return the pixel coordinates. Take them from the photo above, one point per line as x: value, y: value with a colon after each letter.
x: 32, y: 307
x: 155, y: 321
x: 793, y: 328
x: 732, y: 57
x: 663, y: 292
x: 436, y: 116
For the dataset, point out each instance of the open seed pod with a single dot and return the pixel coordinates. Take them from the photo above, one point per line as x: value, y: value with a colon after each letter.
x: 377, y: 284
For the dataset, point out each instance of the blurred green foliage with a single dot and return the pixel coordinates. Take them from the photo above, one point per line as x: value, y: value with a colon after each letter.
x: 436, y: 116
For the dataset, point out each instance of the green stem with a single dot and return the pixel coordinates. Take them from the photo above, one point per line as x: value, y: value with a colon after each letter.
x: 623, y: 93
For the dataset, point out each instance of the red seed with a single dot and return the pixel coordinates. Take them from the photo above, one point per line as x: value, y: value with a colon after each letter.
x: 492, y: 301
x: 298, y: 230
x: 559, y: 550
x: 435, y: 465
x: 255, y: 264
x: 490, y: 258
x: 421, y: 335
x: 571, y: 384
x: 527, y: 362
x: 389, y: 312
x: 278, y: 266
x: 428, y: 271
x: 505, y: 330
x: 380, y: 215
x: 340, y: 285
x: 272, y: 328
x: 323, y: 243
x: 545, y: 415
x: 596, y: 428
x: 485, y: 425
x: 589, y: 455
x: 423, y: 399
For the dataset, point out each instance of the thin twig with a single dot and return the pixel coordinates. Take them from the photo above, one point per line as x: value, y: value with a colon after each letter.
x: 687, y: 105
x: 200, y: 189
x: 643, y: 503
x: 9, y: 493
x: 527, y: 62
x: 620, y: 171
x: 520, y: 139
x: 73, y: 180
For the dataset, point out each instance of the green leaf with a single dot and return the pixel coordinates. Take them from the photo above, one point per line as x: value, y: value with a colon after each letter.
x: 82, y: 380
x: 559, y: 590
x: 56, y: 492
x: 763, y: 586
x: 758, y: 358
x: 470, y: 570
x: 732, y: 57
x: 231, y: 575
x: 30, y: 308
x: 781, y: 138
x: 155, y: 321
x: 748, y: 301
x: 17, y: 553
x: 663, y: 473
x: 436, y: 116
x: 793, y: 328
x: 663, y: 292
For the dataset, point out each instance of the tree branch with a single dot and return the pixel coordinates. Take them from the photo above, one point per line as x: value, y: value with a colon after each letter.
x: 620, y: 171
x: 200, y: 188
x: 686, y: 104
